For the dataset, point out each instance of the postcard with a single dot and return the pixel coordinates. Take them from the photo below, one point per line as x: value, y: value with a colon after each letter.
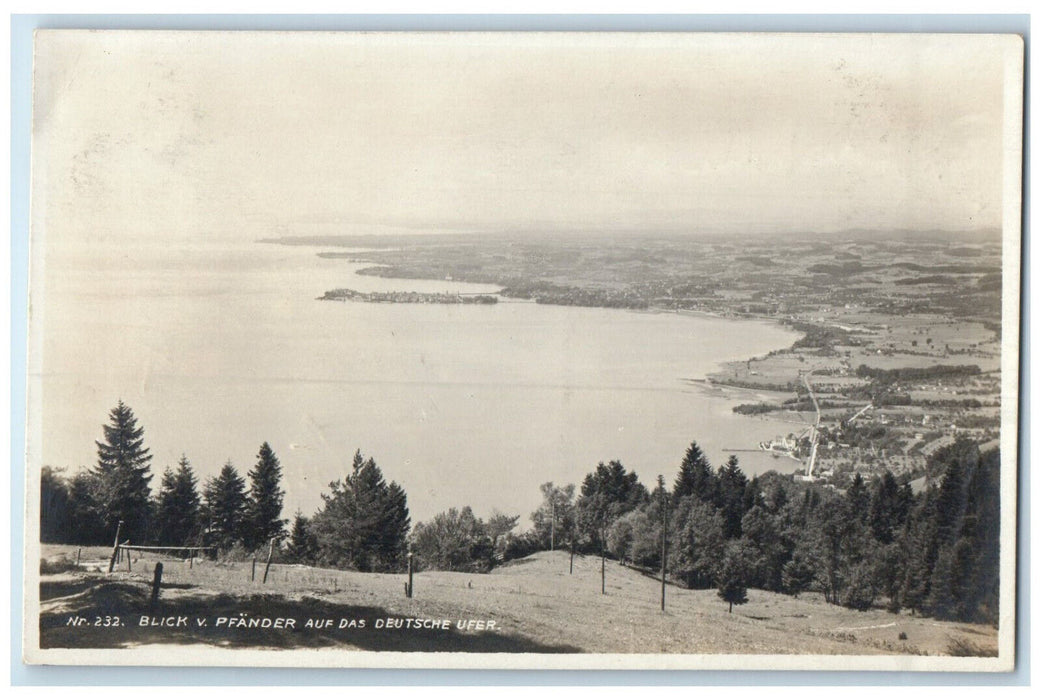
x: 524, y: 350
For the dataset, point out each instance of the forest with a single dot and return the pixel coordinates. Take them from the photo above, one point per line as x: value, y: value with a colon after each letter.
x: 875, y: 543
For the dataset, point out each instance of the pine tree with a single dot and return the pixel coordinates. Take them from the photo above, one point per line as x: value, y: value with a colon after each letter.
x: 917, y: 541
x: 336, y: 525
x: 263, y: 521
x: 364, y: 522
x: 829, y: 530
x: 123, y: 474
x: 394, y: 526
x: 697, y: 543
x: 733, y: 575
x: 369, y: 490
x: 950, y: 502
x: 177, y: 507
x: 857, y: 499
x: 730, y: 497
x: 225, y: 507
x: 303, y: 547
x: 885, y: 515
x: 986, y: 507
x: 695, y: 477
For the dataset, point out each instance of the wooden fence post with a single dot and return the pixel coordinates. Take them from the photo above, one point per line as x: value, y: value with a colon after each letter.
x: 191, y: 558
x: 253, y: 571
x: 80, y: 549
x: 408, y: 589
x: 270, y: 551
x: 115, y: 548
x: 156, y: 582
x: 127, y: 552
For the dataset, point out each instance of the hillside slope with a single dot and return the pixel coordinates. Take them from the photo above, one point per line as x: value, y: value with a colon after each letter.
x: 535, y: 605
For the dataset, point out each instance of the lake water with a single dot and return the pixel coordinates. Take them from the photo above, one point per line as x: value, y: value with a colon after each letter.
x: 219, y: 348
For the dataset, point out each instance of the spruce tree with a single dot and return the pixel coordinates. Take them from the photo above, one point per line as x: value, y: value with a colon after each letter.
x: 303, y: 547
x: 858, y: 500
x: 123, y: 475
x: 369, y: 490
x: 885, y: 517
x: 695, y: 477
x: 263, y: 520
x: 730, y: 497
x: 177, y: 507
x: 364, y: 522
x: 393, y: 529
x: 225, y: 507
x: 733, y: 576
x: 986, y: 530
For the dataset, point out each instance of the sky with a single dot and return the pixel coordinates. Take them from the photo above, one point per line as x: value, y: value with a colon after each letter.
x: 185, y: 137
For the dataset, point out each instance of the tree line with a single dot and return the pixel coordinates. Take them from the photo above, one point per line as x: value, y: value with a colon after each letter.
x: 935, y: 552
x: 878, y: 543
x: 363, y: 523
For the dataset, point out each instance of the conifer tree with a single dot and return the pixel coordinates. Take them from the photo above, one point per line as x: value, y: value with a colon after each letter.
x: 225, y: 507
x: 695, y: 477
x: 263, y: 520
x: 885, y: 512
x: 394, y: 526
x: 123, y: 475
x: 857, y: 499
x: 733, y: 576
x: 303, y: 546
x: 364, y: 523
x: 921, y: 555
x: 985, y: 533
x: 177, y: 507
x: 730, y: 497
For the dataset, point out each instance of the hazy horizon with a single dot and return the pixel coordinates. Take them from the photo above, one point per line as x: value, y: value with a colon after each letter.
x: 237, y: 136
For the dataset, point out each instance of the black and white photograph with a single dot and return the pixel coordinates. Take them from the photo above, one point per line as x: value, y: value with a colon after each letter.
x: 524, y: 350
